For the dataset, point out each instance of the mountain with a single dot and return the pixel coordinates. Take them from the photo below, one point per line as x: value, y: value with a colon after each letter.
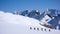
x: 18, y: 24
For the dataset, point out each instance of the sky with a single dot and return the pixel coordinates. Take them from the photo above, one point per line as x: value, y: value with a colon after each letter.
x: 21, y: 5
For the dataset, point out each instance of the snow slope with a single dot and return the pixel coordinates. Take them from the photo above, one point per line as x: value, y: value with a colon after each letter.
x: 18, y: 24
x: 15, y: 19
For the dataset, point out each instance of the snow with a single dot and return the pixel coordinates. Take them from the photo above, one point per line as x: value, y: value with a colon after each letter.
x: 13, y: 22
x: 45, y: 20
x: 15, y: 19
